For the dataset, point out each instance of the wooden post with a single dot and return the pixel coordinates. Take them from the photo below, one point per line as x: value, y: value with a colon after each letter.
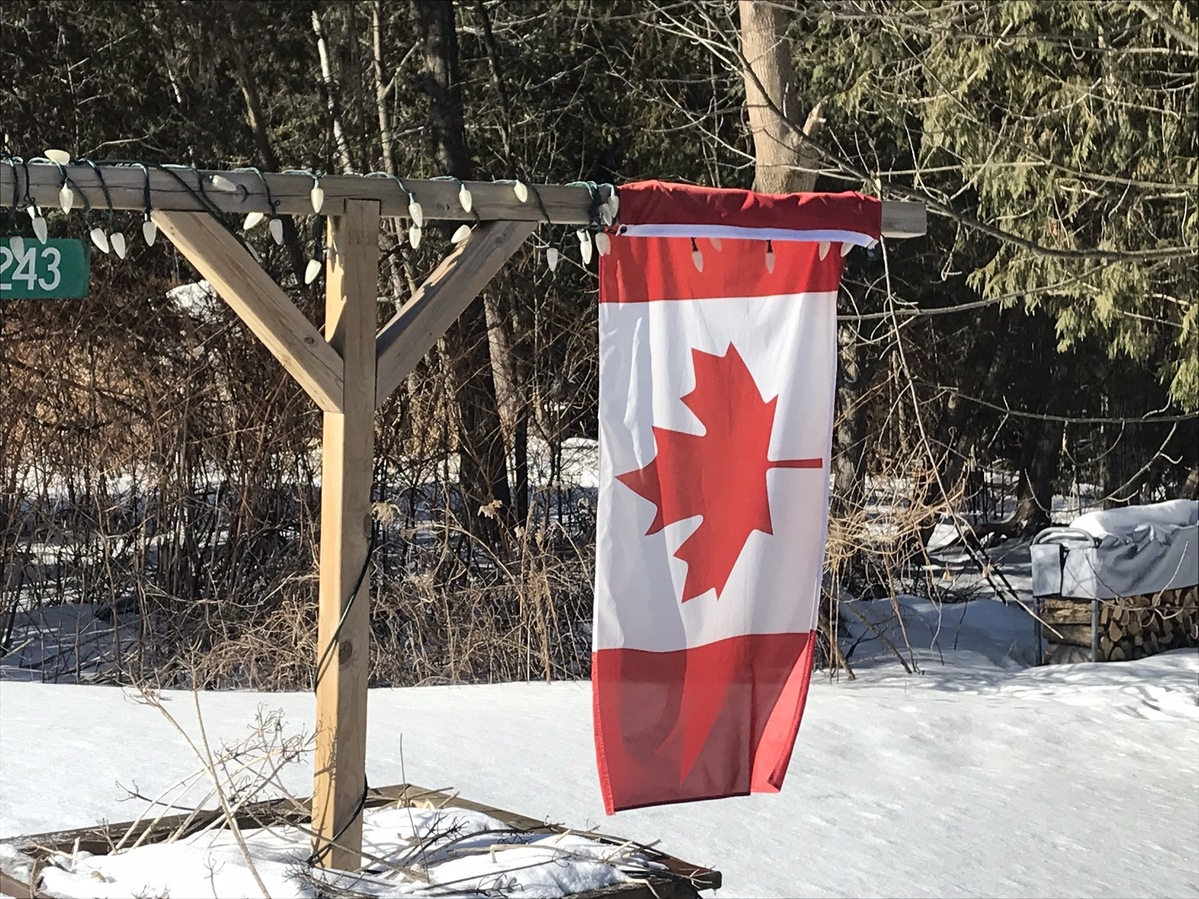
x: 343, y: 629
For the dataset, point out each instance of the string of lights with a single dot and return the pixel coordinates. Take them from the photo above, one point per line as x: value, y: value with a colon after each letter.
x: 603, y: 205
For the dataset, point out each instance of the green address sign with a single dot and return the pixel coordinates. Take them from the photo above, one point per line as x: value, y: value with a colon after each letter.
x: 54, y: 270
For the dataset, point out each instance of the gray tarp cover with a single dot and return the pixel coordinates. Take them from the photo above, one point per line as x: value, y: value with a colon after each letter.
x: 1119, y: 552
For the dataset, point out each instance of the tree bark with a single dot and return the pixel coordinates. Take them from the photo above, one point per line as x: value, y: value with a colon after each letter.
x: 784, y: 162
x: 486, y: 497
x: 1190, y: 489
x: 1041, y: 452
x: 330, y: 89
x: 958, y: 429
x: 399, y: 271
x: 1038, y: 475
x: 849, y: 430
x: 256, y: 119
x: 512, y: 404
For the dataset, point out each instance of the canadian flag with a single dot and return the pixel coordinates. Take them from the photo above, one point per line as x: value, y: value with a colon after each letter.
x: 717, y: 362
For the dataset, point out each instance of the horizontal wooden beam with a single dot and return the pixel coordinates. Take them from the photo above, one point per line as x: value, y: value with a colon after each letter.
x: 903, y: 219
x: 414, y: 330
x: 184, y: 189
x: 178, y: 188
x: 259, y: 302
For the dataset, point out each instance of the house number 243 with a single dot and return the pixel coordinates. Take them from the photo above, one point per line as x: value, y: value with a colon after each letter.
x: 37, y: 266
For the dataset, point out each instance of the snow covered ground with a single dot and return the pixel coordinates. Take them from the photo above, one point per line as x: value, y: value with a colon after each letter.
x: 977, y: 776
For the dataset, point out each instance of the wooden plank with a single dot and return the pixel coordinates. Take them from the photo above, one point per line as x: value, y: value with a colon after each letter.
x: 903, y: 219
x: 441, y: 298
x: 343, y: 624
x: 10, y: 886
x: 566, y: 205
x: 493, y: 201
x: 684, y: 879
x: 259, y: 302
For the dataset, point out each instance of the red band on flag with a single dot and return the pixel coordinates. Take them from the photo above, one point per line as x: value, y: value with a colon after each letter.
x: 635, y: 272
x: 660, y: 203
x: 718, y: 720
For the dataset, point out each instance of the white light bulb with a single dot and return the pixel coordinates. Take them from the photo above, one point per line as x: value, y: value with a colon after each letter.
x: 416, y: 213
x: 252, y: 220
x: 313, y: 271
x: 62, y: 157
x: 317, y: 196
x: 220, y: 182
x: 16, y: 243
x: 845, y: 248
x: 118, y: 244
x: 39, y: 228
x: 521, y: 190
x: 99, y: 238
x: 276, y: 227
x: 770, y: 260
x: 697, y: 259
x: 612, y: 205
x: 461, y: 234
x: 465, y: 199
x: 66, y: 198
x: 414, y: 236
x: 149, y: 232
x: 585, y: 247
x: 715, y: 242
x: 551, y: 258
x: 603, y: 243
x: 823, y: 249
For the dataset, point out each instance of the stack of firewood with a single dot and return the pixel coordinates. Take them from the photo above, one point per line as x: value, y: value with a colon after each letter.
x: 1130, y: 627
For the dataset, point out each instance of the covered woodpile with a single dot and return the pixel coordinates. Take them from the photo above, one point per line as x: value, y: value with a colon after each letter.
x: 1130, y: 627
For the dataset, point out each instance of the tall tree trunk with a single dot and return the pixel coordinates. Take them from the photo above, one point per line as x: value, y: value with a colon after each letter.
x: 1190, y: 489
x: 1038, y: 475
x: 256, y: 119
x: 849, y: 430
x: 784, y: 162
x: 957, y: 430
x: 1041, y: 452
x: 483, y: 473
x: 399, y: 269
x: 512, y: 401
x: 330, y: 90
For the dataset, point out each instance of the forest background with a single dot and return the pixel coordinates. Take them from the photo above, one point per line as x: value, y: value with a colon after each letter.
x: 158, y: 467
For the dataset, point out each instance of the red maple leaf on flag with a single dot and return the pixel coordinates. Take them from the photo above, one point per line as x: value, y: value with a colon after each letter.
x: 719, y: 475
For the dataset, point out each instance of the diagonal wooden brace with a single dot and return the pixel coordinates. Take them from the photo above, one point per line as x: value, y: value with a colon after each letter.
x: 451, y: 287
x: 259, y: 302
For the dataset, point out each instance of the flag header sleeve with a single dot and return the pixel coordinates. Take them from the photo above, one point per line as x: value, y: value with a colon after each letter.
x: 659, y: 209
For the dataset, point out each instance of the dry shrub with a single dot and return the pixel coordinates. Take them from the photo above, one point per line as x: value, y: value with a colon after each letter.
x: 160, y: 466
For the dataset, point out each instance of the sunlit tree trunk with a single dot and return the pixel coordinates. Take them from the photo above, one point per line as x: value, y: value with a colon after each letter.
x: 783, y: 161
